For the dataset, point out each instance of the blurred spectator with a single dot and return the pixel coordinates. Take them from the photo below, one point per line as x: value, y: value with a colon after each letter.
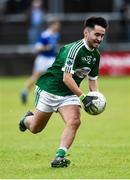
x: 125, y: 19
x: 36, y: 20
x: 47, y: 50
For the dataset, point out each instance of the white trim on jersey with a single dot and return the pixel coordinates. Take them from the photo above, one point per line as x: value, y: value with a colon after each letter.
x: 87, y: 47
x: 92, y: 78
x: 68, y: 67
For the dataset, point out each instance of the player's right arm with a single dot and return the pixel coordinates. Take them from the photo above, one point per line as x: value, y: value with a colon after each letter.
x: 71, y: 84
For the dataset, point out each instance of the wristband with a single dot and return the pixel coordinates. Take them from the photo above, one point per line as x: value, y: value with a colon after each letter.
x: 81, y: 97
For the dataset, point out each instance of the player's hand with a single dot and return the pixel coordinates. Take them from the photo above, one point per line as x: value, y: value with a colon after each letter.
x: 86, y: 100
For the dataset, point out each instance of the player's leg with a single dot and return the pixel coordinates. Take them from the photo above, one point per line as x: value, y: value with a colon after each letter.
x: 41, y: 65
x: 29, y: 84
x: 37, y: 71
x: 71, y: 117
x: 35, y: 122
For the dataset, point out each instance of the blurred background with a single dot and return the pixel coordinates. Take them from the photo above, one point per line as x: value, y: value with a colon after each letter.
x: 20, y: 27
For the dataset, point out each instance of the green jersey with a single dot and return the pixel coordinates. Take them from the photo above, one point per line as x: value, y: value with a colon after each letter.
x: 75, y: 58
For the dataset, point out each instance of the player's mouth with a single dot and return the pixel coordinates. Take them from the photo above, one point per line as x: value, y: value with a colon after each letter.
x: 97, y: 43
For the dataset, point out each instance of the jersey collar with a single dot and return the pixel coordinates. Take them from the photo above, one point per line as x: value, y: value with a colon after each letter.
x: 88, y: 48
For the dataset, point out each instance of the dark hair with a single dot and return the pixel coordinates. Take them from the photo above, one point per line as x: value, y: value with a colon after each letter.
x: 92, y: 21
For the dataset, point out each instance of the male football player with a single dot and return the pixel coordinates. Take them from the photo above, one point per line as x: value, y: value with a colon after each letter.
x: 46, y: 48
x: 59, y: 89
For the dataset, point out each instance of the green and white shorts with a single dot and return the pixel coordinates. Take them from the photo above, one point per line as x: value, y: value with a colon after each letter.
x: 47, y: 102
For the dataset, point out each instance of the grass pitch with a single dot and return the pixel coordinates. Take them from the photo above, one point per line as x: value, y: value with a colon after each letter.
x: 101, y: 148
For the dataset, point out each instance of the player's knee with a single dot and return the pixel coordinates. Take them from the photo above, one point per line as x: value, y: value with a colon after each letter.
x: 35, y: 129
x: 74, y: 123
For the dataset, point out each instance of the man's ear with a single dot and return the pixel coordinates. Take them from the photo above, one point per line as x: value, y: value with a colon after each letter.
x: 85, y: 32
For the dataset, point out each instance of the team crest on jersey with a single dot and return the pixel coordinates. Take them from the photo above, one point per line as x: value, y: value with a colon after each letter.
x: 81, y: 73
x: 69, y: 62
x: 88, y: 59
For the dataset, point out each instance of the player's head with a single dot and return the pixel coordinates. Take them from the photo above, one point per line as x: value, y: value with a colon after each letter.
x: 94, y: 31
x: 37, y: 4
x: 54, y: 25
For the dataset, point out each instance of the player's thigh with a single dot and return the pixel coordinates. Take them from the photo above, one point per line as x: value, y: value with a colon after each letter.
x: 70, y: 114
x: 36, y: 75
x: 41, y: 118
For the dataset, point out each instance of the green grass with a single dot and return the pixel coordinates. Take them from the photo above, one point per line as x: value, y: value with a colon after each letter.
x: 101, y: 148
